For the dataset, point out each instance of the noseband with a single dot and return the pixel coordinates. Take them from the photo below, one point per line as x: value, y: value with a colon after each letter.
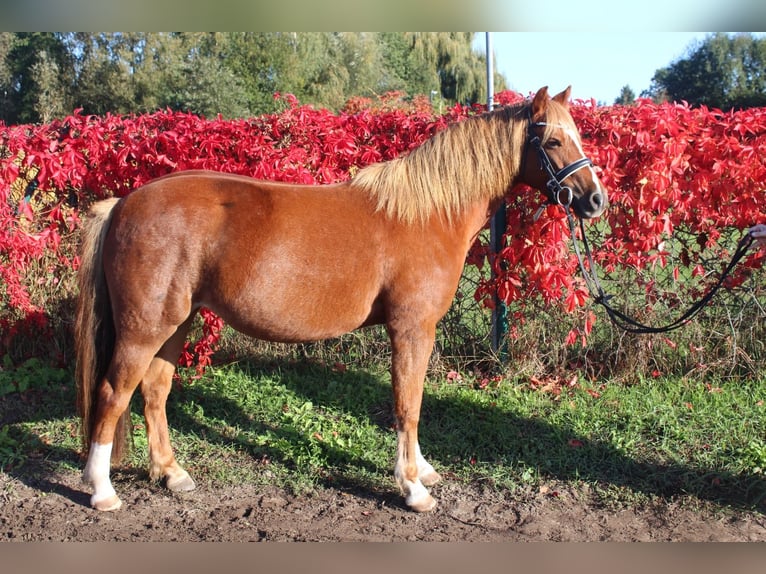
x: 559, y: 193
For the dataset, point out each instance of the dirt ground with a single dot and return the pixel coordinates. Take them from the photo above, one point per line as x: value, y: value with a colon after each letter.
x: 44, y: 507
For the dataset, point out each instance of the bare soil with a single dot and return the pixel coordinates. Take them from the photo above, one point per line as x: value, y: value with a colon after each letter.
x: 40, y: 505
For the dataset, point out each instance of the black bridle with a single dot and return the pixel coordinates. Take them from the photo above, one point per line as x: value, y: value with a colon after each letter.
x: 560, y: 194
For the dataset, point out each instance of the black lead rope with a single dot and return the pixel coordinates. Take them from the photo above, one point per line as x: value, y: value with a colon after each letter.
x: 626, y: 322
x: 563, y: 195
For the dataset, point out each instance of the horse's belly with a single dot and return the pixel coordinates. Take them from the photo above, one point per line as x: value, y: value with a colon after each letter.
x: 293, y: 316
x: 296, y: 274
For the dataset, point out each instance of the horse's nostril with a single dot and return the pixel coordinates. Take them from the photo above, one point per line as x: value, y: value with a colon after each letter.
x: 597, y: 199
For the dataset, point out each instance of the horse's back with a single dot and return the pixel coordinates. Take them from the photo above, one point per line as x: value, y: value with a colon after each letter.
x: 277, y: 261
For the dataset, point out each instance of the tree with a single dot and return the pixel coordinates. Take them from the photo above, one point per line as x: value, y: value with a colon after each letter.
x: 402, y: 69
x: 265, y: 63
x: 204, y: 83
x: 138, y: 72
x: 335, y: 66
x: 51, y: 100
x: 32, y: 58
x: 7, y: 109
x: 105, y: 66
x: 461, y: 72
x: 627, y: 96
x: 325, y: 69
x: 723, y: 71
x: 47, y: 75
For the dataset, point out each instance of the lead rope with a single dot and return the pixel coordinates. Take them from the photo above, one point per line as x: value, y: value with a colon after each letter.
x: 620, y: 319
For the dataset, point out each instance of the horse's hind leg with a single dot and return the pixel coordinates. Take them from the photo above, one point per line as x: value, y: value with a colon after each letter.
x: 128, y: 365
x: 155, y: 388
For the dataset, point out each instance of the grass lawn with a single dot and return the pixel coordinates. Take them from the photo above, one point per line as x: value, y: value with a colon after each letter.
x: 302, y: 424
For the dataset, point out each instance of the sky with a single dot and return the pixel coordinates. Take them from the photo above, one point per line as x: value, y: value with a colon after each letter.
x: 596, y: 64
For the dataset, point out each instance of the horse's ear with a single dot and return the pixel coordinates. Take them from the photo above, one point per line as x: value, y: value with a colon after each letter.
x: 539, y: 103
x: 563, y: 97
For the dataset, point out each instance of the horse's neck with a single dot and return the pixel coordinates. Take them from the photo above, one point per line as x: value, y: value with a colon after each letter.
x: 475, y: 219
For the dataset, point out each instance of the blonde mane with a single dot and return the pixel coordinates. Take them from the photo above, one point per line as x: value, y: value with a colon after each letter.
x: 476, y: 159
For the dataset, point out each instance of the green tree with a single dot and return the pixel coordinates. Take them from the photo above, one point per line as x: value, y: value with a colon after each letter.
x: 44, y: 75
x: 7, y: 109
x: 626, y: 97
x: 325, y: 69
x: 326, y: 64
x: 32, y: 58
x: 201, y: 82
x: 139, y: 72
x: 461, y: 72
x: 51, y: 101
x: 723, y: 71
x: 265, y: 63
x: 104, y: 66
x: 402, y: 69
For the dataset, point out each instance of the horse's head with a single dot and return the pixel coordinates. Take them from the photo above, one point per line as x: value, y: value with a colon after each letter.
x: 554, y: 159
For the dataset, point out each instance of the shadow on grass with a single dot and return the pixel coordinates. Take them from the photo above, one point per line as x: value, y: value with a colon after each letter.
x: 301, y: 378
x: 452, y: 430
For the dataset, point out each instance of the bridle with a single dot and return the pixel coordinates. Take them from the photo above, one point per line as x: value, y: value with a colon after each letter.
x: 558, y: 193
x: 562, y: 195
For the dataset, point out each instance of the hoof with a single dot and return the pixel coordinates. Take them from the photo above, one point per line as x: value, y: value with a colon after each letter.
x: 183, y: 483
x: 107, y: 504
x: 425, y: 504
x: 430, y: 478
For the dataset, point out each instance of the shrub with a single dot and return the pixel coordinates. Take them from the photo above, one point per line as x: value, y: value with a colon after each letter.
x: 684, y: 182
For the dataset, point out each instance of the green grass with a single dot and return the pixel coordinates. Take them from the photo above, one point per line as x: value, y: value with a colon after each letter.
x: 302, y: 425
x: 298, y: 426
x: 663, y: 437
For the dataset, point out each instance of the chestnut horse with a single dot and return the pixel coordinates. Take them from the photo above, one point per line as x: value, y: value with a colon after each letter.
x: 293, y: 263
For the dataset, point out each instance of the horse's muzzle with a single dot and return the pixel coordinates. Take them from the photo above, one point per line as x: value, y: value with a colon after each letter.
x: 590, y: 205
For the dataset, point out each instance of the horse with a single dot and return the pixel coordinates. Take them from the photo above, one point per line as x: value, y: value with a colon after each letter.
x: 297, y: 263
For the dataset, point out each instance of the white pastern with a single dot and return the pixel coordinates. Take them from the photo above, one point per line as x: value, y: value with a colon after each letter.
x: 97, y: 473
x: 424, y: 467
x: 416, y: 494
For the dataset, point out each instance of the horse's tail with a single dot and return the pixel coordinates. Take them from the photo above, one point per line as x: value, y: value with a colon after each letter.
x: 94, y: 327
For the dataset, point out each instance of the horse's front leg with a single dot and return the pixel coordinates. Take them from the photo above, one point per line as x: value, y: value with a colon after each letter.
x: 410, y: 350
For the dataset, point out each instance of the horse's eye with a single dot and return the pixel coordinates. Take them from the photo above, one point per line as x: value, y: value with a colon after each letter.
x: 553, y: 142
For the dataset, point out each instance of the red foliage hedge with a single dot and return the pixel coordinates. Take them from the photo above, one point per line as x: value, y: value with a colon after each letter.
x: 667, y: 167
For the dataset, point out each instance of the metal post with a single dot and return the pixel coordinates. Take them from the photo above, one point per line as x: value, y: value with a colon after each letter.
x: 496, y: 227
x: 490, y: 74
